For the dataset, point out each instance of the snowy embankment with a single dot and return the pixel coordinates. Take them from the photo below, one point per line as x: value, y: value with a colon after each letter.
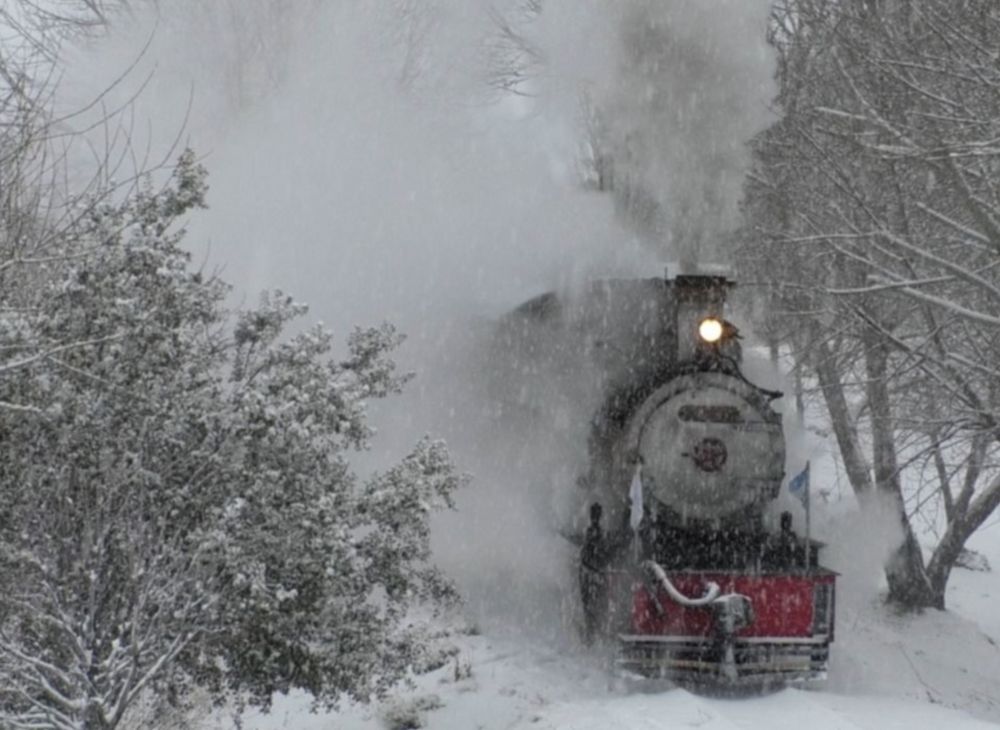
x: 914, y: 672
x: 936, y: 670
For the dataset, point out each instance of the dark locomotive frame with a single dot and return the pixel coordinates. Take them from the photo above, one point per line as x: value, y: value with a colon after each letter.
x: 699, y: 588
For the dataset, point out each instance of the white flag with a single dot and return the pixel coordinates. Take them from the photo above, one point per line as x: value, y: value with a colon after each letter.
x: 635, y: 497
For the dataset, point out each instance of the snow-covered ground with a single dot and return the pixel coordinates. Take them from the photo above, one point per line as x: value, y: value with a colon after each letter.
x: 914, y: 672
x: 935, y: 670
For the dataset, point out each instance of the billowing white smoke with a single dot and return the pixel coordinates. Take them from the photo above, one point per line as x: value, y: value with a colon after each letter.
x: 678, y: 87
x: 359, y: 161
x: 363, y: 163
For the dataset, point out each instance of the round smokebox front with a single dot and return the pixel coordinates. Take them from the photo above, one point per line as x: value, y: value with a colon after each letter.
x: 706, y: 452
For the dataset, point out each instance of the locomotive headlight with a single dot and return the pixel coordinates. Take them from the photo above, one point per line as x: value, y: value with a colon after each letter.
x: 710, y: 330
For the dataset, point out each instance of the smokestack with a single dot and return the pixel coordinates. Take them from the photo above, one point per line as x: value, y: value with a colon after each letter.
x: 698, y: 296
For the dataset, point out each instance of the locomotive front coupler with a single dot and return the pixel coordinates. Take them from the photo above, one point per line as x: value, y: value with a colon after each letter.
x: 731, y: 612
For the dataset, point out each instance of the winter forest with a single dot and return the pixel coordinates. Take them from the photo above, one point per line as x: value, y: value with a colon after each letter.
x: 276, y: 451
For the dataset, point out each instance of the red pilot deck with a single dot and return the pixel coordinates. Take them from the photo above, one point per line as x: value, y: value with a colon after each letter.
x: 787, y: 637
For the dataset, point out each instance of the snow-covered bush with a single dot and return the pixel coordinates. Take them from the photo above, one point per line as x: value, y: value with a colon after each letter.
x: 409, y: 714
x: 178, y: 508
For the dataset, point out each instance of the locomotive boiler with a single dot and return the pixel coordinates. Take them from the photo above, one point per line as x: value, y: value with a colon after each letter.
x: 683, y: 565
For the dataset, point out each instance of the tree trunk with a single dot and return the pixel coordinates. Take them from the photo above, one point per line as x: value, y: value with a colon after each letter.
x: 909, y: 585
x: 840, y: 415
x: 971, y: 517
x: 95, y: 719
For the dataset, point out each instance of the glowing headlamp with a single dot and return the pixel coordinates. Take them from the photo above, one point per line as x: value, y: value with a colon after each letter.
x: 710, y: 330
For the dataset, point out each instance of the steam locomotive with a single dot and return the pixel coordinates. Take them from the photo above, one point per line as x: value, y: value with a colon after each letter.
x: 683, y: 566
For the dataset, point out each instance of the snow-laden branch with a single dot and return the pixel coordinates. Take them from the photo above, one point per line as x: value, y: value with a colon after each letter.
x: 881, y: 286
x: 956, y: 225
x: 49, y: 352
x: 20, y: 408
x: 953, y: 307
